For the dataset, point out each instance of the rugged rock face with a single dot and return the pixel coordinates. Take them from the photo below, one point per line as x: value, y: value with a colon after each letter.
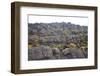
x: 57, y: 33
x: 39, y: 53
x: 45, y: 52
x: 56, y: 53
x: 57, y: 40
x: 73, y: 53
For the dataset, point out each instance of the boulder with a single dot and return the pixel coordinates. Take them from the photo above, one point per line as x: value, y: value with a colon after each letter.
x: 73, y: 53
x: 56, y: 53
x: 85, y: 51
x: 40, y: 53
x: 46, y: 51
x: 35, y: 54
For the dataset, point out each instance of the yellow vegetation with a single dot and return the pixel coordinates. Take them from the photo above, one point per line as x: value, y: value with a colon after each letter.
x: 29, y: 46
x: 72, y: 45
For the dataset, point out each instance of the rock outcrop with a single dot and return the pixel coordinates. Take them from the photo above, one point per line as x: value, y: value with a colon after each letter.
x: 39, y: 53
x: 45, y: 53
x: 71, y: 53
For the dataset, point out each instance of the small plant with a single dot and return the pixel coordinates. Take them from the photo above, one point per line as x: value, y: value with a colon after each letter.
x: 29, y: 46
x: 60, y: 46
x: 72, y: 45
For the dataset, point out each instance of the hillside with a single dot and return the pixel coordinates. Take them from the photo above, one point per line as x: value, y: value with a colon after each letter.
x: 57, y: 35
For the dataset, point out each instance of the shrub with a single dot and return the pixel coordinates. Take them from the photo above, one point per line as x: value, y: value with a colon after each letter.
x: 72, y: 45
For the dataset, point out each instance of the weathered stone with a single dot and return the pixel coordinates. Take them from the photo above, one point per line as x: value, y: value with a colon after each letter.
x: 35, y: 53
x: 73, y: 53
x: 55, y: 50
x: 46, y: 51
x: 56, y: 53
x: 38, y: 53
x: 85, y: 52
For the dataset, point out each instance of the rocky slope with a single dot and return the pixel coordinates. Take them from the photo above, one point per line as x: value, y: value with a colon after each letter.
x: 60, y: 36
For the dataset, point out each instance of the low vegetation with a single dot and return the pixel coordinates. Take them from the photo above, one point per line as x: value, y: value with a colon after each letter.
x: 58, y: 35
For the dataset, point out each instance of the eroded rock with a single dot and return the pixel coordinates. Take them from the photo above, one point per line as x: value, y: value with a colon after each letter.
x: 73, y: 53
x: 39, y: 53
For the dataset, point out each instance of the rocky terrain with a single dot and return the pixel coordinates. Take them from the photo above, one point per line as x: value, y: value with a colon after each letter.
x: 57, y: 41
